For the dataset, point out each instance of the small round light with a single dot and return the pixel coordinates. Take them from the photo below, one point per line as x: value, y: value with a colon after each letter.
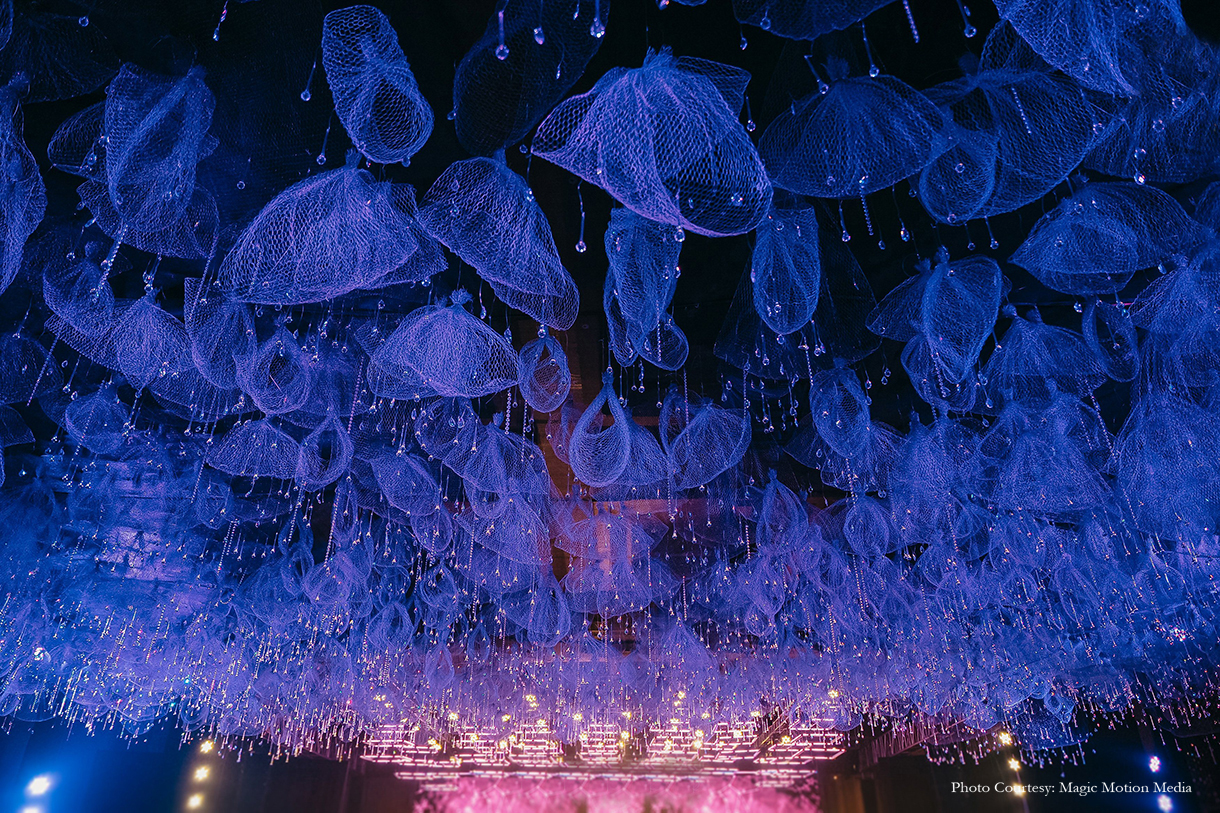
x: 39, y: 785
x: 201, y: 773
x: 1004, y: 737
x: 31, y: 809
x: 1154, y: 764
x: 207, y: 747
x: 1014, y: 764
x: 1018, y: 790
x: 195, y: 802
x: 1164, y: 803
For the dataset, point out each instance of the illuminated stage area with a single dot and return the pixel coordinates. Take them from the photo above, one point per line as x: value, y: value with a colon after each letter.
x: 771, y: 752
x: 609, y: 405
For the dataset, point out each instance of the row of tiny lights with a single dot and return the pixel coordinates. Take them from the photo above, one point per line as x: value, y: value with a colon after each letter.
x: 201, y: 773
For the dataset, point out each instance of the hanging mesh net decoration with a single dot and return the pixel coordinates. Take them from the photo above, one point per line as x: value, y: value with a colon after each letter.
x: 786, y: 268
x: 446, y: 351
x: 1095, y: 241
x: 144, y: 143
x: 946, y: 314
x: 25, y: 198
x: 529, y: 57
x: 286, y: 455
x: 376, y: 95
x: 599, y: 454
x: 484, y: 213
x: 640, y: 285
x: 1017, y: 132
x: 1093, y: 42
x: 543, y: 374
x: 1034, y: 362
x: 701, y: 439
x: 862, y: 135
x: 328, y: 235
x: 665, y: 141
x: 57, y: 56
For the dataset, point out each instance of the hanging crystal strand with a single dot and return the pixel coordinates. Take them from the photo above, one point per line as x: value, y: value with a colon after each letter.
x: 992, y: 243
x: 597, y: 29
x: 873, y: 70
x: 750, y: 125
x: 539, y: 34
x: 902, y: 226
x: 906, y: 5
x: 501, y: 49
x: 868, y: 217
x: 108, y: 263
x: 528, y: 149
x: 823, y: 88
x: 224, y: 12
x: 325, y: 139
x: 580, y: 244
x: 306, y: 95
x: 38, y: 381
x: 1020, y: 109
x: 969, y: 30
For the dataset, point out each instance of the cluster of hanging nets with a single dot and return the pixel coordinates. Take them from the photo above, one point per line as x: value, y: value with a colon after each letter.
x: 294, y: 449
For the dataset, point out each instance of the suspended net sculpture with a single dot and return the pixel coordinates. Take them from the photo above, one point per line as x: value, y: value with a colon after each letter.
x: 484, y: 212
x: 664, y: 140
x: 786, y: 267
x: 639, y: 288
x: 646, y: 474
x: 542, y: 611
x: 1017, y: 131
x: 862, y: 135
x: 599, y: 454
x: 543, y: 374
x: 149, y: 344
x: 1035, y: 362
x: 329, y: 235
x: 946, y: 314
x: 13, y: 429
x: 325, y: 456
x: 529, y: 57
x: 836, y: 331
x: 701, y: 439
x: 376, y: 95
x: 849, y: 449
x: 499, y: 467
x: 77, y: 291
x: 1166, y: 132
x: 1095, y: 241
x: 256, y: 449
x: 138, y: 152
x: 57, y: 56
x: 276, y: 375
x: 97, y: 422
x: 26, y: 195
x: 1109, y: 331
x: 446, y: 351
